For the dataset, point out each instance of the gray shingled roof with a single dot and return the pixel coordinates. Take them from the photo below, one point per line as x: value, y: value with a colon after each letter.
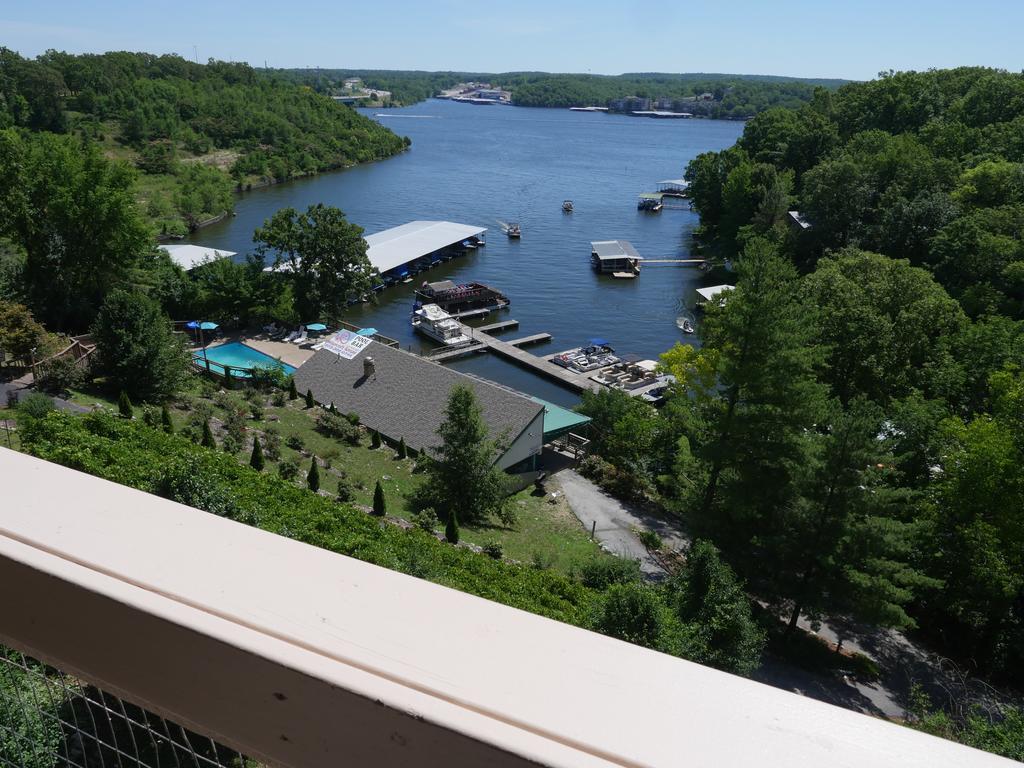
x: 407, y: 396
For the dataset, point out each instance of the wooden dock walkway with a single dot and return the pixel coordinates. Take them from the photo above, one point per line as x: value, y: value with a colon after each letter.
x: 655, y: 262
x: 538, y: 365
x: 451, y: 354
x: 537, y: 338
x: 503, y: 325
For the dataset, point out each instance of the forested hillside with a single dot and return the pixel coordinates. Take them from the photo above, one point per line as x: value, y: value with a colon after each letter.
x: 851, y: 434
x: 733, y: 96
x: 194, y: 131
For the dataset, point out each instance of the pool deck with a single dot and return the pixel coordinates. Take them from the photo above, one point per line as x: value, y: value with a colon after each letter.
x: 292, y: 354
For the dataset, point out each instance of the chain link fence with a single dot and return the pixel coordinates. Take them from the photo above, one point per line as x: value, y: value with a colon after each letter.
x: 49, y: 719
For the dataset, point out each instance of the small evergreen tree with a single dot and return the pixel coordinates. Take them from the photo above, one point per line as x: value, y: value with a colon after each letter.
x: 451, y: 528
x: 375, y: 439
x: 345, y: 492
x: 310, y: 402
x: 313, y: 478
x: 124, y: 405
x: 403, y: 452
x: 208, y: 441
x: 332, y: 409
x: 165, y: 419
x: 380, y: 507
x: 256, y: 459
x: 293, y: 393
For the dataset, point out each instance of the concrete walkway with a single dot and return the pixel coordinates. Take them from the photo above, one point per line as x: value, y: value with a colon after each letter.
x: 616, y: 521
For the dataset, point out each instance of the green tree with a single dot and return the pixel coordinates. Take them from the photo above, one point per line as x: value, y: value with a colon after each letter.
x: 256, y: 460
x: 313, y: 476
x: 310, y: 402
x: 403, y: 452
x: 460, y: 475
x: 379, y: 504
x: 293, y: 393
x: 708, y: 597
x: 632, y: 612
x: 137, y: 348
x: 208, y: 440
x: 124, y: 405
x: 325, y: 254
x: 20, y: 334
x: 165, y: 419
x: 74, y: 214
x: 375, y: 439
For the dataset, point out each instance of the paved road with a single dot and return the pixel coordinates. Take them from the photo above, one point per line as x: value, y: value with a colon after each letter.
x: 616, y: 521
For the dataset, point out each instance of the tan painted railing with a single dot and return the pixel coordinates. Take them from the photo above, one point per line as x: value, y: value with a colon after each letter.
x: 300, y: 657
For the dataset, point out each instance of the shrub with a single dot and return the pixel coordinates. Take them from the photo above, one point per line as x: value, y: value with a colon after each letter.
x: 60, y: 375
x: 35, y: 406
x: 266, y: 377
x: 631, y: 612
x: 186, y: 482
x: 353, y: 418
x: 293, y: 393
x: 234, y: 425
x: 345, y: 491
x: 493, y: 549
x: 403, y: 452
x: 288, y: 469
x: 165, y: 420
x: 375, y: 439
x: 310, y: 402
x: 295, y: 442
x: 650, y: 539
x: 333, y: 424
x: 272, y: 443
x: 151, y: 416
x: 231, y: 444
x: 257, y: 411
x: 124, y: 405
x: 602, y: 572
x: 256, y: 460
x: 313, y: 476
x: 425, y: 519
x: 278, y: 399
x: 380, y: 507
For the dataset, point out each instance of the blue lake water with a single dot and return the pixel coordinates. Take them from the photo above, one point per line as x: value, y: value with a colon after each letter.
x: 478, y: 165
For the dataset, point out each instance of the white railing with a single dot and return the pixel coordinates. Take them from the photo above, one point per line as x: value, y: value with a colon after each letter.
x: 297, y: 656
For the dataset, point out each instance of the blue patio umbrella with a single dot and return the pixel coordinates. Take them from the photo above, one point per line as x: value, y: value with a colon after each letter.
x: 192, y: 324
x: 366, y: 332
x: 599, y: 342
x: 206, y: 325
x: 316, y: 327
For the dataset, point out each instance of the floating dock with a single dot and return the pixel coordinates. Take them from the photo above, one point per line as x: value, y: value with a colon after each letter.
x: 537, y: 338
x: 503, y: 325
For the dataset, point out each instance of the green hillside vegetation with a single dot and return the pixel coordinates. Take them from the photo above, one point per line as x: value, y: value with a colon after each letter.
x: 194, y: 131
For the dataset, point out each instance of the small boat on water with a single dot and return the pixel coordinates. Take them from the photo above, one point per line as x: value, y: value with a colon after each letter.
x: 469, y: 245
x: 434, y: 322
x: 685, y: 324
x: 511, y: 229
x: 567, y: 206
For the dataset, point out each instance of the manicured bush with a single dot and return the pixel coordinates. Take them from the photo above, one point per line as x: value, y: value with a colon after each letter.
x: 375, y: 439
x: 345, y: 491
x: 313, y: 476
x: 209, y: 441
x: 380, y: 507
x: 403, y: 452
x: 310, y: 402
x: 293, y: 393
x: 124, y: 405
x: 451, y: 529
x: 256, y: 460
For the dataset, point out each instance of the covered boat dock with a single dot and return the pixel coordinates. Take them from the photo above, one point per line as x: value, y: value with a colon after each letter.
x: 188, y: 256
x: 400, y: 252
x: 615, y: 257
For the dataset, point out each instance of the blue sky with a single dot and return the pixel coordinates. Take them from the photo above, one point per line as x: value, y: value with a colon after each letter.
x: 801, y: 38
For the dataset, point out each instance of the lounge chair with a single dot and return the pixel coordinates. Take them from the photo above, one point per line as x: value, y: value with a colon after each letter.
x: 291, y: 336
x: 302, y: 337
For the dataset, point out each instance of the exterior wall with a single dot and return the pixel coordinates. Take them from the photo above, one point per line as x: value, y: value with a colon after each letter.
x: 529, y: 443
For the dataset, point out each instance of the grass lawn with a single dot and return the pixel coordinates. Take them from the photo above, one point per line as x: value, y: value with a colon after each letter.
x: 545, y: 534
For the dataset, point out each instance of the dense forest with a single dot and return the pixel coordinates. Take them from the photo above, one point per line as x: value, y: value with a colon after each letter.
x: 852, y: 431
x: 733, y: 96
x: 194, y: 131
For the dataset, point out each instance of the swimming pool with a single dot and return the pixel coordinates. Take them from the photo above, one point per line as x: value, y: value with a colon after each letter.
x: 238, y: 355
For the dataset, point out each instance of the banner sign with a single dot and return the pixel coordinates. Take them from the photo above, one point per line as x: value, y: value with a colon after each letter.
x: 346, y: 344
